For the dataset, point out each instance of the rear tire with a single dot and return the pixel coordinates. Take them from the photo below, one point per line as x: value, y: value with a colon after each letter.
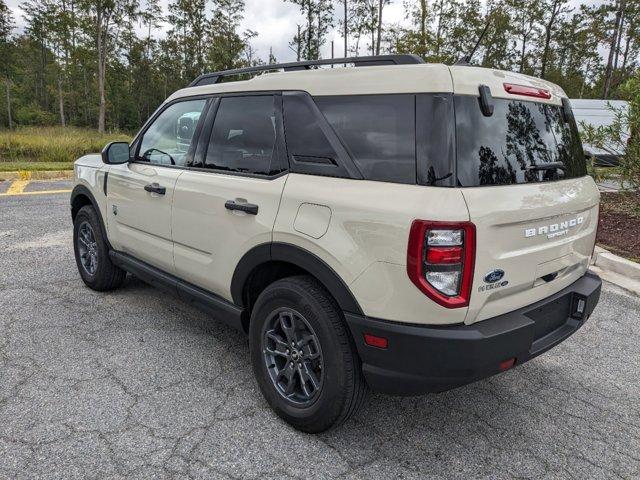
x: 303, y: 356
x: 92, y: 253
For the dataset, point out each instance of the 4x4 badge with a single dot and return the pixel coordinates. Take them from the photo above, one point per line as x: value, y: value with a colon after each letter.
x: 494, y: 275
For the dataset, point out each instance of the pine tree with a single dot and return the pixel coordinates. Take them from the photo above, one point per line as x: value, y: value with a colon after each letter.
x: 189, y: 27
x: 318, y: 16
x: 226, y: 43
x: 6, y: 54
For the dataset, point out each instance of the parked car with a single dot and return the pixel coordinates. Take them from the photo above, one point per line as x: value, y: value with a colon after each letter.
x: 599, y: 113
x: 399, y: 226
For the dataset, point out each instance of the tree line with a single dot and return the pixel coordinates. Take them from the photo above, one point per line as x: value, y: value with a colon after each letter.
x: 109, y: 63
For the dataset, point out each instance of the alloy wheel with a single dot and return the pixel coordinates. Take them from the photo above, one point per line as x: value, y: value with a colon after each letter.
x: 87, y: 248
x: 293, y: 357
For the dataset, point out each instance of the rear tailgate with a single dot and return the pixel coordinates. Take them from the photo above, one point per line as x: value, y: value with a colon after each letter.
x: 541, y: 235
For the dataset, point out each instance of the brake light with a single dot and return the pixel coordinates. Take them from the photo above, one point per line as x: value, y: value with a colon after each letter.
x: 440, y: 260
x: 527, y: 91
x: 444, y: 255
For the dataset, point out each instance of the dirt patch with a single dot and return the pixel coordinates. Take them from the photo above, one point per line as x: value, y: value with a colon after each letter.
x: 619, y: 227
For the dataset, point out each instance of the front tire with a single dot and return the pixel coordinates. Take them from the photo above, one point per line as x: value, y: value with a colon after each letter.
x: 303, y: 356
x: 92, y: 253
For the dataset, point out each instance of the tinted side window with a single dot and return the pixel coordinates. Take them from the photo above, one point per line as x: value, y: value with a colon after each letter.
x: 435, y: 139
x: 243, y: 138
x: 305, y: 138
x: 378, y: 131
x: 168, y: 139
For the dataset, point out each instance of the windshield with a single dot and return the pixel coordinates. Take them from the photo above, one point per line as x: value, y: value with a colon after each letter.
x: 522, y: 142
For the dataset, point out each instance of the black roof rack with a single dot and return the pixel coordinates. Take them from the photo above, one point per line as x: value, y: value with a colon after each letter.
x: 212, y: 78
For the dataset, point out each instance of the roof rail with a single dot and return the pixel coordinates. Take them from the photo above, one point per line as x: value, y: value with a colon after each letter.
x: 212, y: 78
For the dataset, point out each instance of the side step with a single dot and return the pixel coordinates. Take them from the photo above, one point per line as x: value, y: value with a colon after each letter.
x: 208, y: 302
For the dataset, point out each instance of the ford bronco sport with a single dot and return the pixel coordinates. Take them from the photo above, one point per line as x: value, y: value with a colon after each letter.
x: 404, y: 226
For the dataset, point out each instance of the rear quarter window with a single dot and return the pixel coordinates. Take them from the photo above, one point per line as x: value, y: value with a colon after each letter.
x: 378, y: 131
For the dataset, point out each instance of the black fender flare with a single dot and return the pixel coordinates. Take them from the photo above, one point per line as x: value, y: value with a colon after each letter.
x: 84, y: 191
x: 285, y: 252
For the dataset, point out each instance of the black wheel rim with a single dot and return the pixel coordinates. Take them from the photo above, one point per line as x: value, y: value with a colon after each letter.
x: 293, y: 357
x: 87, y: 248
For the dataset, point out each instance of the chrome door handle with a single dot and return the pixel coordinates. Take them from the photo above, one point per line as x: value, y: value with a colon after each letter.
x: 249, y: 208
x: 155, y: 188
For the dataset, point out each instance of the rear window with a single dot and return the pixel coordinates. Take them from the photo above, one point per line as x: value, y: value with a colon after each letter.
x: 517, y: 144
x: 379, y: 131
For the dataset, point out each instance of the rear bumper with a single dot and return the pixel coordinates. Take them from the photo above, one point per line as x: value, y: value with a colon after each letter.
x: 422, y: 359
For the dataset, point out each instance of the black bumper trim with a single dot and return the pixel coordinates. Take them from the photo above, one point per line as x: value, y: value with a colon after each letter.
x: 421, y: 359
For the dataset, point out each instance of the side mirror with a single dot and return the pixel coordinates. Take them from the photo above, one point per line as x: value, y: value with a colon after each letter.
x: 115, y: 153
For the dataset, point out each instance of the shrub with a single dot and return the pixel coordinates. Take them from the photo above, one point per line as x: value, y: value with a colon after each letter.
x: 623, y: 135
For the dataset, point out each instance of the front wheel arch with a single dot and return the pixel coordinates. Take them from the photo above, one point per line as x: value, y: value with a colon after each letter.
x: 81, y: 196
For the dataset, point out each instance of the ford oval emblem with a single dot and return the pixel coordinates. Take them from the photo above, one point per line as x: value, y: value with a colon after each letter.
x: 494, y: 275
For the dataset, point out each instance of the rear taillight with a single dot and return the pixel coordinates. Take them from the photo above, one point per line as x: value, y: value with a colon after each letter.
x: 440, y: 259
x: 527, y: 91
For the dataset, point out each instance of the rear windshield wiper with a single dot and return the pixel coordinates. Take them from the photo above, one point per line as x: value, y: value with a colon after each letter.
x: 548, y: 166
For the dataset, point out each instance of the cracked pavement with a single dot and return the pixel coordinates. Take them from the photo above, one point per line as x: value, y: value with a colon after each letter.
x: 136, y: 384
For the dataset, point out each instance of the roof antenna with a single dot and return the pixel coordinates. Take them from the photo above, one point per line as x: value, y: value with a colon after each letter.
x: 466, y: 60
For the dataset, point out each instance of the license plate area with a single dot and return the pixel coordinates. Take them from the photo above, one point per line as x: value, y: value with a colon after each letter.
x: 550, y: 316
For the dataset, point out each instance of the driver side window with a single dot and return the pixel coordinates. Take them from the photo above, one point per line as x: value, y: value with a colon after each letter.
x: 168, y: 140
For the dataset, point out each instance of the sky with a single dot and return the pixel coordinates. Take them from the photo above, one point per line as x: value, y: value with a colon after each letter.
x: 276, y: 23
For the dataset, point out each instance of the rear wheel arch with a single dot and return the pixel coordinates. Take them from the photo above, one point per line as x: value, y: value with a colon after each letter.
x: 267, y: 263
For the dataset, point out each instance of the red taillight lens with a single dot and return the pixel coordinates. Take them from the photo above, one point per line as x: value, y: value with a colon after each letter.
x: 444, y: 255
x: 440, y: 260
x: 527, y: 91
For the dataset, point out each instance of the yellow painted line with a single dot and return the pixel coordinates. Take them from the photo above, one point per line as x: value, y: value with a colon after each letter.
x: 42, y: 192
x: 17, y: 187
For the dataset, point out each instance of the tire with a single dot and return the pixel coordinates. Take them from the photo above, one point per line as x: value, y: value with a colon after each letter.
x: 302, y: 307
x: 88, y: 241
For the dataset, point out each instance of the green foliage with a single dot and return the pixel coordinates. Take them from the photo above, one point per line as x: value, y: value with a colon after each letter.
x: 106, y: 63
x: 51, y: 144
x: 33, y: 114
x: 318, y: 15
x: 622, y: 135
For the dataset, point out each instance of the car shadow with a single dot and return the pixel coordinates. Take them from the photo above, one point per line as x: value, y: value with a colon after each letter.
x: 539, y: 417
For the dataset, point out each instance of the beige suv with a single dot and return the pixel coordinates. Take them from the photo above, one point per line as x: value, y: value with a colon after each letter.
x: 404, y: 226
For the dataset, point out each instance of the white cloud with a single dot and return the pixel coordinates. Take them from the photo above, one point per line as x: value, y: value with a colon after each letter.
x: 276, y: 23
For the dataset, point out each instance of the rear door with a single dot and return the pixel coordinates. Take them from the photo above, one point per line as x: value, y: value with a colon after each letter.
x: 227, y: 202
x: 527, y: 192
x: 140, y: 193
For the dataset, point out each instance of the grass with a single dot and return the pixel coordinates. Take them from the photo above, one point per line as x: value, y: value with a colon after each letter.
x: 34, y: 166
x: 49, y: 148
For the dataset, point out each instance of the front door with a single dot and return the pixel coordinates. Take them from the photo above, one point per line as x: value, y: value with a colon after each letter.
x: 228, y: 202
x: 140, y: 193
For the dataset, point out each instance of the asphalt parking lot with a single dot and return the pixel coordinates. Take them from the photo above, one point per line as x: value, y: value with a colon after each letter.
x: 135, y: 384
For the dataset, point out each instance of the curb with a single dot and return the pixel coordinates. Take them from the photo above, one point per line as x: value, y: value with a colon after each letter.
x: 37, y: 175
x: 618, y: 270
